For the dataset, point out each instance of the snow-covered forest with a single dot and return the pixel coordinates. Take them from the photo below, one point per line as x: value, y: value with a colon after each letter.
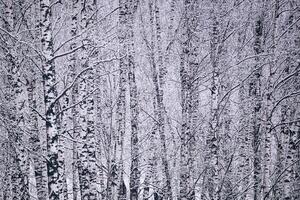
x: 149, y: 100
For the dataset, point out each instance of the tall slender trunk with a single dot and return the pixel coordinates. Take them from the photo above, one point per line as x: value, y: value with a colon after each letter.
x: 72, y: 99
x: 189, y: 100
x: 268, y: 100
x: 288, y: 148
x: 7, y: 183
x: 50, y: 95
x: 214, y: 137
x: 133, y: 100
x: 152, y: 174
x: 160, y: 103
x: 20, y: 165
x: 35, y: 138
x: 39, y: 164
x: 243, y: 138
x: 185, y: 132
x: 295, y: 145
x: 255, y: 96
x: 119, y: 189
x: 63, y: 126
x: 103, y: 117
x: 87, y: 146
x: 158, y: 73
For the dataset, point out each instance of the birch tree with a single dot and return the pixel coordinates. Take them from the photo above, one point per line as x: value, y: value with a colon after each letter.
x: 188, y: 75
x: 50, y: 94
x: 87, y: 148
x: 149, y: 99
x: 16, y: 91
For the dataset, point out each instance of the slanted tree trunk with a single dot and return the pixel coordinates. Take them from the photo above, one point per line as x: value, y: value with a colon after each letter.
x: 159, y: 92
x: 158, y: 73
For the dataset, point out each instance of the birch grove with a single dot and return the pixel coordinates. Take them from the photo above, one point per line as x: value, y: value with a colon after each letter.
x: 149, y: 100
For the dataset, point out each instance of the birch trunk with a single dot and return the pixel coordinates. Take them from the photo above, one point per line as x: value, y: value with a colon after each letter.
x: 63, y: 125
x: 188, y: 73
x: 269, y: 103
x: 73, y: 117
x: 158, y: 73
x: 118, y: 187
x: 152, y: 172
x: 50, y: 95
x: 244, y: 138
x: 255, y: 96
x: 133, y: 101
x: 288, y: 147
x: 87, y: 148
x: 20, y: 165
x: 214, y: 132
x: 160, y: 103
x: 40, y: 167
